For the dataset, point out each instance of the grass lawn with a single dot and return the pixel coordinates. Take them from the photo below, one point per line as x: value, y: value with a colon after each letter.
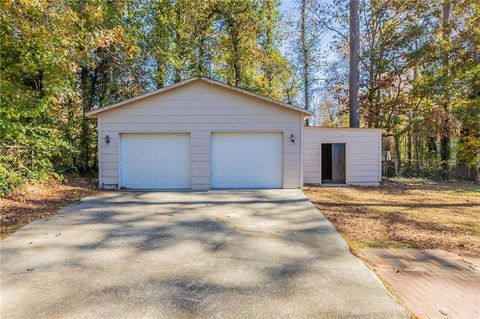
x: 404, y: 213
x: 38, y: 200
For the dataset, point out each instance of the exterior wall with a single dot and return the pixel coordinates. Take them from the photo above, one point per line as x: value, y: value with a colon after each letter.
x: 363, y: 154
x: 199, y: 108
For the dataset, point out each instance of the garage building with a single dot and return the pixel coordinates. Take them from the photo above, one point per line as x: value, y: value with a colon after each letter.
x: 202, y: 134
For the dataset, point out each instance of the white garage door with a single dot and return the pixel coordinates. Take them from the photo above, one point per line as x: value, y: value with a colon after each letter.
x: 155, y: 160
x: 247, y: 160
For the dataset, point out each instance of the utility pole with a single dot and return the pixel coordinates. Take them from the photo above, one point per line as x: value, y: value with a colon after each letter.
x: 353, y: 102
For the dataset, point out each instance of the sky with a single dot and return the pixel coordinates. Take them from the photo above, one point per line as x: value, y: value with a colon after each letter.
x: 289, y: 9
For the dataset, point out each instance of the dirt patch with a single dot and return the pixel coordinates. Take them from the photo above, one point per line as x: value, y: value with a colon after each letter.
x: 404, y: 213
x: 39, y: 200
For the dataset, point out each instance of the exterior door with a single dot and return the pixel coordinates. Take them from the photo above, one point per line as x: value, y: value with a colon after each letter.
x: 338, y: 163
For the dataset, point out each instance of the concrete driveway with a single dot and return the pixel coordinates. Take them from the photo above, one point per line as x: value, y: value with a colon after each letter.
x: 217, y: 254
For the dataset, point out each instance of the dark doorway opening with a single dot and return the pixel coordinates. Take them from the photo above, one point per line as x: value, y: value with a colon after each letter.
x: 333, y: 163
x: 326, y: 163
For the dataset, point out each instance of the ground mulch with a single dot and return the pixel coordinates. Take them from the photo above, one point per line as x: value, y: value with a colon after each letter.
x: 405, y: 213
x: 39, y: 200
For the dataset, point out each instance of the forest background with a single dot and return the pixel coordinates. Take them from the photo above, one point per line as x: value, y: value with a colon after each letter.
x: 419, y: 71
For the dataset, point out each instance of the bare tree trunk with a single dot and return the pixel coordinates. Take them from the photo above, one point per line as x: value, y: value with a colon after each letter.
x: 95, y: 152
x: 445, y: 132
x: 269, y: 40
x: 414, y: 137
x: 161, y: 71
x: 416, y: 151
x: 201, y: 56
x: 306, y: 58
x: 398, y: 161
x: 409, y: 147
x: 84, y: 137
x: 178, y: 39
x: 236, y: 60
x: 354, y: 59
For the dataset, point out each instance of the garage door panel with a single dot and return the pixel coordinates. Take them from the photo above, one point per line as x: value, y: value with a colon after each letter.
x: 247, y: 160
x: 155, y: 161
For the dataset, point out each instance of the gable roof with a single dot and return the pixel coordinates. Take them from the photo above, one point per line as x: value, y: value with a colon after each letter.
x: 93, y: 113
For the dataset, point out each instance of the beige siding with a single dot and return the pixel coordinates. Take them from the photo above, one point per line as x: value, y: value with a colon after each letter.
x: 199, y: 108
x: 363, y: 154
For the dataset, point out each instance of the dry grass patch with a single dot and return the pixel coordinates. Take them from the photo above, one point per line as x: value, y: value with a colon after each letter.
x: 38, y: 200
x: 404, y: 213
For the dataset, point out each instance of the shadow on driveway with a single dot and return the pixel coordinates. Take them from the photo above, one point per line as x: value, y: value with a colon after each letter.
x: 218, y: 254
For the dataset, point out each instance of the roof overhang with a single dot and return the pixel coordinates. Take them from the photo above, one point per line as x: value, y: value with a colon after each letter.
x: 94, y: 113
x: 347, y: 128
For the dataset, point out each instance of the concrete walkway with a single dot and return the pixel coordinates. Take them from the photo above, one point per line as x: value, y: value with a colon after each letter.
x: 218, y: 254
x: 433, y: 284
